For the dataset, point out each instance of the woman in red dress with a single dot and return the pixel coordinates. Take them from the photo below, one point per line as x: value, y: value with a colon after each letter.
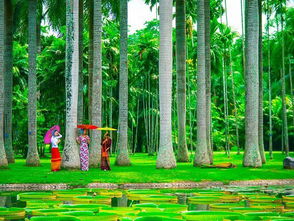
x: 106, y: 144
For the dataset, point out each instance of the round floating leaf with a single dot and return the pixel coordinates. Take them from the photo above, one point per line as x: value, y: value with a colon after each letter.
x: 244, y: 209
x: 35, y: 195
x: 160, y: 214
x: 54, y: 218
x: 92, y: 199
x: 12, y: 213
x: 288, y: 199
x: 159, y: 198
x: 78, y: 213
x: 261, y: 214
x: 209, y: 215
x: 84, y: 207
x: 121, y: 210
x: 226, y: 205
x: 47, y: 212
x: 156, y: 218
x: 197, y: 199
x: 173, y: 207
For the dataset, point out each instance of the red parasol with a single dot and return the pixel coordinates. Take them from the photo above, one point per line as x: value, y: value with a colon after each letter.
x: 48, y: 135
x: 87, y: 126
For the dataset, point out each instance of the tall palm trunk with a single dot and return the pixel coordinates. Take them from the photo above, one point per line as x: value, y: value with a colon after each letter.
x: 3, y: 159
x: 225, y: 96
x: 201, y: 155
x: 32, y: 155
x: 291, y: 88
x: 90, y: 57
x: 208, y: 80
x: 8, y: 78
x: 181, y: 79
x: 166, y: 158
x: 269, y: 86
x: 243, y: 39
x: 285, y: 121
x: 81, y: 77
x: 96, y: 109
x: 233, y: 85
x: 260, y: 95
x: 70, y: 159
x: 123, y: 155
x: 252, y: 155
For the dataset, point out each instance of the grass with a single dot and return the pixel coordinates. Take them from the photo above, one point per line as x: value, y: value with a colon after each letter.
x: 143, y: 170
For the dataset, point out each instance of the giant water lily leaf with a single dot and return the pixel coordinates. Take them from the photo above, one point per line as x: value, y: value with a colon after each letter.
x: 54, y: 218
x: 157, y: 218
x: 84, y: 207
x: 209, y: 215
x: 78, y: 213
x: 35, y: 195
x: 12, y: 213
x: 47, y: 212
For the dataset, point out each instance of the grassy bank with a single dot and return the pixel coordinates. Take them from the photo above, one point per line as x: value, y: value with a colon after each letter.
x: 143, y: 170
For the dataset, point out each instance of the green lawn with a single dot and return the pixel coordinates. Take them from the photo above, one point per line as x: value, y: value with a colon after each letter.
x: 143, y: 170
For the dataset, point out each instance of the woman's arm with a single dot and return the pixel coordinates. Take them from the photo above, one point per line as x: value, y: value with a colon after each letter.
x: 78, y: 140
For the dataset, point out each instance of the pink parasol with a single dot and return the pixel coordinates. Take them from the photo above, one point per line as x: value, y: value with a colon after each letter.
x: 48, y: 135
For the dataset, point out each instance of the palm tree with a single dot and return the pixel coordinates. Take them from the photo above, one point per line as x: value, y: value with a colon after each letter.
x: 81, y: 77
x: 9, y: 11
x: 70, y: 158
x: 252, y: 155
x: 32, y: 156
x: 3, y: 160
x: 201, y: 155
x: 260, y: 97
x: 123, y: 155
x: 285, y: 120
x: 181, y: 79
x: 268, y: 12
x: 166, y: 158
x: 90, y: 57
x: 208, y: 79
x: 95, y: 150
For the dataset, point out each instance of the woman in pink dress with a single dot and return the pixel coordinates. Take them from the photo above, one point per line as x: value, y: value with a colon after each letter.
x: 84, y: 141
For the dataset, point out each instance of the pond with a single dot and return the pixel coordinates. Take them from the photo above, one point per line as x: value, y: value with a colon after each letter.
x: 231, y: 203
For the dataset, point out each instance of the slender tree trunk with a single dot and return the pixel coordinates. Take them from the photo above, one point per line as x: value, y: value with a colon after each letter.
x: 285, y: 121
x: 226, y: 101
x: 208, y: 79
x: 90, y: 57
x: 96, y: 109
x: 70, y: 158
x: 123, y: 155
x: 260, y: 95
x: 291, y: 88
x: 252, y: 155
x: 3, y: 159
x: 81, y: 76
x: 225, y: 96
x: 8, y: 80
x: 243, y: 38
x: 201, y: 155
x: 233, y: 85
x: 32, y: 156
x: 181, y: 79
x: 166, y: 158
x: 110, y: 115
x: 269, y: 86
